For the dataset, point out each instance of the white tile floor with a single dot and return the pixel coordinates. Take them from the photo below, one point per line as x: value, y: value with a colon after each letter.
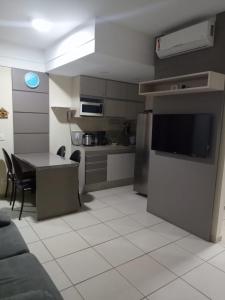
x: 115, y: 250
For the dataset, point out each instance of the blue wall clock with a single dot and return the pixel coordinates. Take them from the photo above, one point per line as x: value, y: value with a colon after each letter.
x: 32, y: 80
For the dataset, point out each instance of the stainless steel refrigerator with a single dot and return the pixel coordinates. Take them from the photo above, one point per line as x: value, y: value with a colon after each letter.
x: 143, y: 146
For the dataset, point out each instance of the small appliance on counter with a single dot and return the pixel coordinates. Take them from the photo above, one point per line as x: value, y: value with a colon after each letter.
x: 77, y: 138
x: 95, y: 138
x: 88, y: 139
x: 100, y: 138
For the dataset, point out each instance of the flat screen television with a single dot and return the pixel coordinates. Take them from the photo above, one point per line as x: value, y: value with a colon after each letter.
x: 187, y: 134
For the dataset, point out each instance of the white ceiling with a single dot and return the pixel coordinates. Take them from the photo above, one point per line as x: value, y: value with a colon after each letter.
x: 149, y: 16
x: 104, y: 66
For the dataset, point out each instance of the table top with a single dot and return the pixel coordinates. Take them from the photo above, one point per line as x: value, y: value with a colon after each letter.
x: 41, y: 160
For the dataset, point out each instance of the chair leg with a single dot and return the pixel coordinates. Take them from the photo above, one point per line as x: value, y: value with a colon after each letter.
x: 14, y: 195
x: 79, y: 199
x: 7, y: 186
x: 79, y: 193
x: 21, y: 209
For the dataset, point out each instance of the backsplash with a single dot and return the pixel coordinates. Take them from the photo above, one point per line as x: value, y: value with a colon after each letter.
x: 113, y: 127
x: 96, y: 124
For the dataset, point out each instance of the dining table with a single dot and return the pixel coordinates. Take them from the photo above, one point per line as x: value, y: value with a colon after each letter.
x: 56, y: 184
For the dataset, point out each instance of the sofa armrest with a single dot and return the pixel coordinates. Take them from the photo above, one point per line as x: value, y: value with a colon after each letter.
x: 4, y: 219
x: 31, y: 295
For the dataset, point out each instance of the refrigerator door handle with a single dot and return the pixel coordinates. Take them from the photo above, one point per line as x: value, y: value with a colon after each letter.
x: 143, y: 147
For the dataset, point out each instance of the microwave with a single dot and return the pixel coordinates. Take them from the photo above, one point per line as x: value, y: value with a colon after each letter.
x: 91, y: 107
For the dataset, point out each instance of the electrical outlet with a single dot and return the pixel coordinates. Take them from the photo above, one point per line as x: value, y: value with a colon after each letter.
x: 2, y: 136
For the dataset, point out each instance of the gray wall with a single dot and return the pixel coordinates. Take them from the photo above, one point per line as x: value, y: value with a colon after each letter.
x: 211, y: 59
x: 30, y: 114
x: 182, y: 189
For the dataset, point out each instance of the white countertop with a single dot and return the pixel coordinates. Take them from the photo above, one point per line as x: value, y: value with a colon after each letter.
x: 40, y: 160
x: 106, y: 148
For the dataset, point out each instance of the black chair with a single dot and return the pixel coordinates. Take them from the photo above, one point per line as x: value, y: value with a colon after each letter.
x: 23, y: 181
x: 61, y: 151
x: 10, y: 175
x: 76, y: 156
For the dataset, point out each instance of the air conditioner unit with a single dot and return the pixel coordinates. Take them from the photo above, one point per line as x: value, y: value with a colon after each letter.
x: 189, y: 39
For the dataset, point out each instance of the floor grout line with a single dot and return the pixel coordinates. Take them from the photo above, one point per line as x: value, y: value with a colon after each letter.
x: 124, y: 236
x: 195, y: 288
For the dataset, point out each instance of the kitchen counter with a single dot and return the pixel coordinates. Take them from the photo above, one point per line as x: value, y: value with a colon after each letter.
x: 107, y: 148
x: 105, y: 166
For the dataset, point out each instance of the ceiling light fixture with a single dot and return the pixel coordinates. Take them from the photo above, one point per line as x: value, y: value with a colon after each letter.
x: 41, y: 25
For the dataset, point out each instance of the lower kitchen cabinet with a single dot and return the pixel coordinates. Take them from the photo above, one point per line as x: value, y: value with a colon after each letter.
x: 95, y: 168
x: 105, y: 169
x: 95, y: 176
x: 120, y: 166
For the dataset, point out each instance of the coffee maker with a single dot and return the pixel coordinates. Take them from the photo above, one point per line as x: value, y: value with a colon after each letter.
x: 100, y: 138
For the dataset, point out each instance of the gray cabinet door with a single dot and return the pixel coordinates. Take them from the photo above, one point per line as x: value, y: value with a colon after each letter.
x: 116, y: 89
x: 120, y: 166
x: 95, y: 176
x: 115, y: 108
x: 91, y: 86
x: 122, y: 109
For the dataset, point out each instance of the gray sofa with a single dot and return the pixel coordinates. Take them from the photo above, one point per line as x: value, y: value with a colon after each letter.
x: 22, y: 277
x: 11, y: 241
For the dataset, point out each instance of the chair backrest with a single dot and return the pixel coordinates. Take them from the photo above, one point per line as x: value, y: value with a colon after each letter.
x: 17, y: 167
x: 75, y: 156
x: 61, y: 151
x: 8, y: 161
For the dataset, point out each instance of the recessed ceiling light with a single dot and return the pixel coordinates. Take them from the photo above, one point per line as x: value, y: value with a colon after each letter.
x: 41, y: 25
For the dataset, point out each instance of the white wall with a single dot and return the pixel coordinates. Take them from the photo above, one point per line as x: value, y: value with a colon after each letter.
x: 6, y: 125
x: 124, y: 43
x: 60, y: 94
x: 15, y: 56
x: 79, y: 43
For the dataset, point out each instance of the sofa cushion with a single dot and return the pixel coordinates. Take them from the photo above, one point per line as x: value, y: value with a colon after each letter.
x: 11, y: 242
x: 4, y: 219
x: 31, y: 295
x: 23, y: 273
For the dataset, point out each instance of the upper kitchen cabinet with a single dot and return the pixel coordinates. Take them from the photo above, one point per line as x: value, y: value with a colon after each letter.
x: 116, y: 90
x: 90, y: 86
x: 122, y: 90
x: 122, y: 109
x: 115, y: 108
x: 103, y: 88
x: 121, y: 99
